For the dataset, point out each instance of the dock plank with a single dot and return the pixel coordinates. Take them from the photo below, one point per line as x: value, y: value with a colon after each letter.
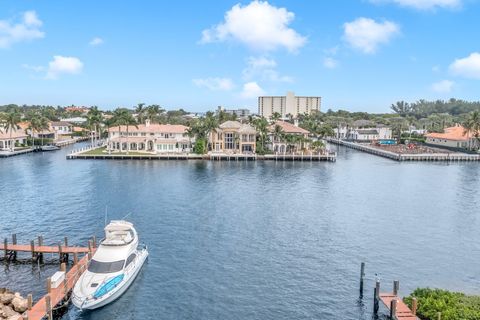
x: 39, y: 310
x: 403, y: 311
x: 42, y: 249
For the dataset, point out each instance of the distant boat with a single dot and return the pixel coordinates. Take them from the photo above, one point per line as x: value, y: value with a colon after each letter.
x: 49, y: 147
x: 113, y: 267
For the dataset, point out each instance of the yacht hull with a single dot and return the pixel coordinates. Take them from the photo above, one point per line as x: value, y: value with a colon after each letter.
x: 92, y: 304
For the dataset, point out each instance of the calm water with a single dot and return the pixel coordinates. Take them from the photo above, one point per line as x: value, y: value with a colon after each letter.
x: 251, y: 240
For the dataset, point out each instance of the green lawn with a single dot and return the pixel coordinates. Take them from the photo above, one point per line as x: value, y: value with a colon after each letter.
x: 102, y: 151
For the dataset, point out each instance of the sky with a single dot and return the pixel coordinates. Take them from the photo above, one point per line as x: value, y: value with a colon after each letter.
x: 358, y: 55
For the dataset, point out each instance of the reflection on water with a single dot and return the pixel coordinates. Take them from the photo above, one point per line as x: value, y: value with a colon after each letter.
x: 253, y: 240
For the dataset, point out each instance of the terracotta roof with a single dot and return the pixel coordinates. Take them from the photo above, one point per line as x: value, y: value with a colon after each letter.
x: 152, y: 128
x: 19, y: 133
x: 230, y: 125
x: 289, y: 128
x: 452, y: 133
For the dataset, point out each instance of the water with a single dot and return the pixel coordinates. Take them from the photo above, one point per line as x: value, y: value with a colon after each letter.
x: 246, y: 240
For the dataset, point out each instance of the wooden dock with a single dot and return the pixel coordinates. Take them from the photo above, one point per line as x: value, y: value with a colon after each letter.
x: 55, y: 296
x: 449, y: 157
x: 398, y: 310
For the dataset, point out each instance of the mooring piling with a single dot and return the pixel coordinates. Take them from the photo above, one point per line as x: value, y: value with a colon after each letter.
x: 362, y: 278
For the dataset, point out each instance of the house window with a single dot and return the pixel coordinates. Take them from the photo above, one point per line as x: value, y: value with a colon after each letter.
x: 229, y: 141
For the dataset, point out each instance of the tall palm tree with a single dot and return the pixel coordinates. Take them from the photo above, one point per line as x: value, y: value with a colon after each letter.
x: 153, y: 113
x: 261, y: 125
x: 140, y: 111
x: 278, y: 133
x: 472, y: 125
x: 11, y: 119
x: 94, y: 119
x: 123, y: 117
x: 275, y: 117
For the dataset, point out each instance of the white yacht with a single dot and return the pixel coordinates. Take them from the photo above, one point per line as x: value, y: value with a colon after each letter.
x: 112, y: 269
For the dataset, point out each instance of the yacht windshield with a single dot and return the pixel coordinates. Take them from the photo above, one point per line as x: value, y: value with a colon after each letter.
x: 105, y: 267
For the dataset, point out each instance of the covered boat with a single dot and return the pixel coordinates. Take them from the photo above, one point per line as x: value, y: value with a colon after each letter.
x: 113, y: 267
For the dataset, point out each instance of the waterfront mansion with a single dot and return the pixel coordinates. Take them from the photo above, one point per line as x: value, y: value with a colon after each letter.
x: 149, y: 137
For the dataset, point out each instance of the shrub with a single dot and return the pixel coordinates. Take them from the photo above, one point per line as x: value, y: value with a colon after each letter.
x: 452, y: 305
x: 199, y: 147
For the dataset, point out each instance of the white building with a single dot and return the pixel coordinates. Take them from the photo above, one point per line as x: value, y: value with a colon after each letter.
x: 362, y: 134
x: 61, y: 128
x: 154, y: 138
x: 287, y: 105
x: 8, y: 139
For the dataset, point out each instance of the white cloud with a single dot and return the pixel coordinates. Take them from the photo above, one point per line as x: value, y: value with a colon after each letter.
x: 258, y: 25
x: 96, y: 41
x: 251, y: 90
x: 33, y: 68
x: 444, y: 86
x: 330, y: 63
x: 215, y: 84
x: 468, y: 67
x: 63, y: 65
x: 26, y: 29
x: 424, y: 4
x: 366, y: 34
x: 263, y: 68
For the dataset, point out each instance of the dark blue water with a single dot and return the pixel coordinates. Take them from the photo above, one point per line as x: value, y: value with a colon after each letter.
x: 246, y: 240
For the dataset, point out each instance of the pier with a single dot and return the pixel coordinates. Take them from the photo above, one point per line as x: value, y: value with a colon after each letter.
x: 57, y: 292
x: 300, y: 157
x: 7, y: 154
x: 451, y: 156
x: 398, y: 310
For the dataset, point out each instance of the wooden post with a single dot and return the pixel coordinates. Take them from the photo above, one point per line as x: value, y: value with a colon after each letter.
x: 49, y: 285
x: 40, y: 243
x: 393, y: 309
x: 75, y: 258
x: 396, y: 287
x: 66, y: 241
x: 60, y: 254
x: 48, y: 303
x: 376, y: 296
x: 32, y: 248
x: 362, y: 276
x: 14, y: 242
x: 414, y: 306
x: 30, y: 301
x: 63, y: 267
x: 90, y: 246
x: 5, y: 244
x: 94, y: 244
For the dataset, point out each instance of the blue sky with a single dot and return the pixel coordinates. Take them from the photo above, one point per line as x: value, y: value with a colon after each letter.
x: 356, y: 54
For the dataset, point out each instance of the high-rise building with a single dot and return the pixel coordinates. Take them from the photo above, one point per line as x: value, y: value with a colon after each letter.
x: 287, y: 105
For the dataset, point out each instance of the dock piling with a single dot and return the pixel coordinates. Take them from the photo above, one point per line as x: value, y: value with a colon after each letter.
x: 362, y: 277
x: 393, y: 309
x: 32, y: 248
x: 40, y: 254
x: 5, y: 244
x: 48, y: 303
x: 30, y: 301
x: 396, y: 287
x: 414, y: 306
x: 376, y: 297
x: 14, y: 242
x: 94, y: 242
x: 75, y: 258
x: 49, y: 285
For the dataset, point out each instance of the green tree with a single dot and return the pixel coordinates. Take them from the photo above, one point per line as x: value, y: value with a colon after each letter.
x: 472, y: 125
x: 140, y: 110
x: 123, y: 117
x: 261, y: 125
x: 11, y: 119
x: 94, y: 119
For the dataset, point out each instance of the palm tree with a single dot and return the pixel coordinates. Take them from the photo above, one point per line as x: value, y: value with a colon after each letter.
x: 10, y: 123
x: 275, y: 117
x: 261, y: 125
x: 123, y: 117
x: 140, y: 111
x: 278, y: 133
x: 472, y: 125
x: 153, y: 112
x: 94, y: 118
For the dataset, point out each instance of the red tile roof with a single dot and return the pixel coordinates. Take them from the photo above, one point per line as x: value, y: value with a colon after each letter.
x: 453, y: 133
x: 152, y: 128
x: 289, y: 128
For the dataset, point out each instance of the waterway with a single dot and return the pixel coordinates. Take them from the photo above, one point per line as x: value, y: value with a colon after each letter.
x: 253, y: 240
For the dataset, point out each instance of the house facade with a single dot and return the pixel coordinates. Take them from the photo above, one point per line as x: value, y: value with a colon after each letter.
x: 453, y: 138
x: 8, y: 139
x: 154, y: 138
x: 279, y: 144
x: 363, y: 134
x: 233, y: 137
x: 61, y: 128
